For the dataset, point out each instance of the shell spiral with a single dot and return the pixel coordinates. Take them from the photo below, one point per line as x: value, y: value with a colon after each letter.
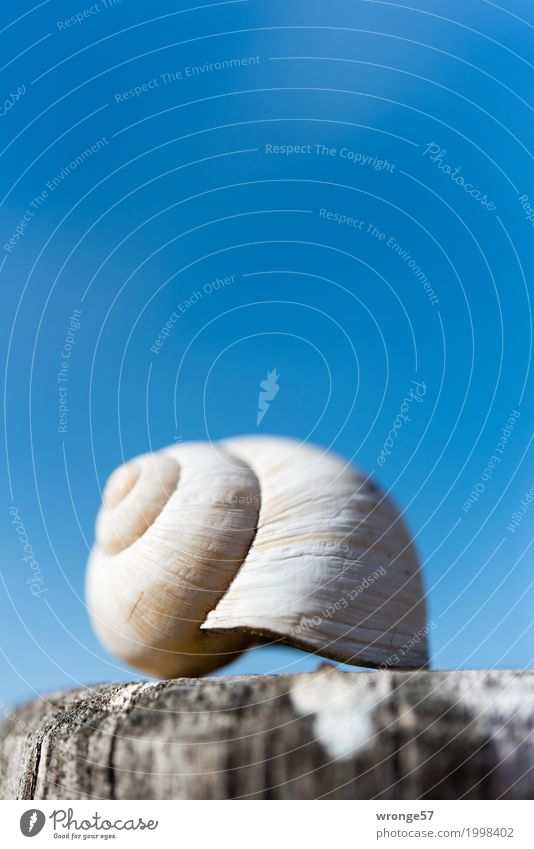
x: 202, y: 549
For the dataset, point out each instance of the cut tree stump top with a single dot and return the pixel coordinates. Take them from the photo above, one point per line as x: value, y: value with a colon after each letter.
x: 328, y: 734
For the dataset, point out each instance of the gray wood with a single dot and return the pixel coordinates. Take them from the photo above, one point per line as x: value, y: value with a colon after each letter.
x: 334, y: 735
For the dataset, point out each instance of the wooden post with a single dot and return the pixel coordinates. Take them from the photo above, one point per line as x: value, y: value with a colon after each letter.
x: 332, y: 735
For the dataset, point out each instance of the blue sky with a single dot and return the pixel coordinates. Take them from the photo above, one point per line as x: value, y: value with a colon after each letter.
x: 356, y: 176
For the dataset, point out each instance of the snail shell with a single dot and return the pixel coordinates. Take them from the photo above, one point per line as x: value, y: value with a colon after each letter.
x: 202, y: 548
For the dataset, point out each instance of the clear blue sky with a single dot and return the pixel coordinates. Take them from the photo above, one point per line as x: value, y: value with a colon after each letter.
x: 144, y: 153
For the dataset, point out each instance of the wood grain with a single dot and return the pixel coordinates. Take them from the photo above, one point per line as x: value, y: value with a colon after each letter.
x: 333, y: 735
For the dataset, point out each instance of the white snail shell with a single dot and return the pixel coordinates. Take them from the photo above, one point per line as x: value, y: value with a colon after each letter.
x: 202, y: 548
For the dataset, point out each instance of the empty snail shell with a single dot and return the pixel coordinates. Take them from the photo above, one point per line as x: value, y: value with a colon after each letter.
x: 203, y: 548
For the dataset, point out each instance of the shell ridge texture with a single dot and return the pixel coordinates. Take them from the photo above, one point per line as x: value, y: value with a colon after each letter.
x: 203, y: 548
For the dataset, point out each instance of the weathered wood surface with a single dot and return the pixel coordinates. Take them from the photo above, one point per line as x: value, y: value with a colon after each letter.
x: 333, y: 735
